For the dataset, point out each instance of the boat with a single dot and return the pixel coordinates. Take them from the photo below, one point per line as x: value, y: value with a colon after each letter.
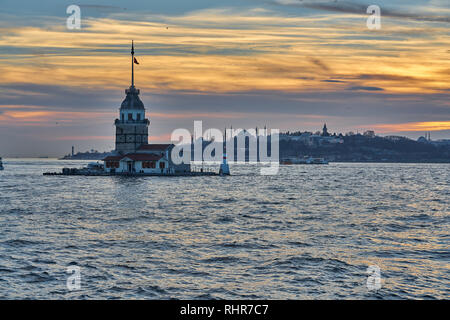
x: 1, y: 164
x: 305, y: 160
x: 92, y: 168
x: 95, y: 166
x: 317, y: 161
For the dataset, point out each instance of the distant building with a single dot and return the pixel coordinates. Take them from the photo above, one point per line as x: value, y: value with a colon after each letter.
x: 369, y: 134
x: 313, y: 139
x: 304, y: 137
x: 396, y: 138
x: 133, y: 154
x: 441, y: 142
x: 325, y: 131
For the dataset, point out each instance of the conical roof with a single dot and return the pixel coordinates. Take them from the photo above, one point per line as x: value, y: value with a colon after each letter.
x: 132, y: 100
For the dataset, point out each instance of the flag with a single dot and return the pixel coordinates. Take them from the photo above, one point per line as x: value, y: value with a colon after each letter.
x: 135, y: 61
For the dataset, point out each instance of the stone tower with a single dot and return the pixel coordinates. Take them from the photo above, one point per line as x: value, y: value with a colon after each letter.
x: 132, y: 126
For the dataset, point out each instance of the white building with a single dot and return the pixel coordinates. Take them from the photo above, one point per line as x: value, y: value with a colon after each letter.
x: 148, y: 159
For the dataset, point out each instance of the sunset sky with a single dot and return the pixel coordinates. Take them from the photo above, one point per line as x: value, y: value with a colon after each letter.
x: 287, y: 64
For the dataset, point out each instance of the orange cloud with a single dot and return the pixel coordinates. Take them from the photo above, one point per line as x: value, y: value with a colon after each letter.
x: 160, y: 138
x: 413, y: 126
x: 32, y: 114
x: 225, y: 51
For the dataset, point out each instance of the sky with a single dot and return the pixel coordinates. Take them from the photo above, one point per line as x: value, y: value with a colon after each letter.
x: 285, y: 64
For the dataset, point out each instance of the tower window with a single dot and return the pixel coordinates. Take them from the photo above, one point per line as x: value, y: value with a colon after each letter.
x: 123, y: 117
x: 130, y: 116
x: 139, y: 116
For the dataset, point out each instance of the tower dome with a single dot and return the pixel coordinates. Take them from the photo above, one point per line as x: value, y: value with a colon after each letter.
x: 132, y: 100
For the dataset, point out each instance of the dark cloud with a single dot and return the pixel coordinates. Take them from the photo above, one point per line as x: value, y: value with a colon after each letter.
x: 334, y: 81
x: 59, y: 97
x: 320, y: 64
x: 350, y: 103
x: 285, y: 110
x: 363, y: 101
x: 100, y: 7
x: 364, y: 88
x: 360, y: 8
x: 388, y: 77
x: 374, y: 78
x: 152, y: 49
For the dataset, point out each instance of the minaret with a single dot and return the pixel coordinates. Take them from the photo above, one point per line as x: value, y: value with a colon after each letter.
x: 325, y: 131
x: 132, y: 126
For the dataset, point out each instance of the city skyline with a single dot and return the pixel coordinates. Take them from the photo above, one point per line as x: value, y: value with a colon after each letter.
x: 285, y: 64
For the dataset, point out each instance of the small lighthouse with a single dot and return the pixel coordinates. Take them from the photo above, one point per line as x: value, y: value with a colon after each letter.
x: 224, y: 168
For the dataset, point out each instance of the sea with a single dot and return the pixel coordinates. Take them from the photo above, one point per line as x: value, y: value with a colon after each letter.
x: 337, y: 231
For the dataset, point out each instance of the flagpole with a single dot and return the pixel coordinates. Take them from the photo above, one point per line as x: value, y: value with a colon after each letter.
x: 132, y: 63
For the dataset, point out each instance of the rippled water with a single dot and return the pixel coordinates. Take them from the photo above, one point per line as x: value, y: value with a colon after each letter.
x: 308, y: 233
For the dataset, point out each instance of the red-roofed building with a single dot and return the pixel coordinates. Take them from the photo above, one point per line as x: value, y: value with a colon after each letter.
x: 143, y: 157
x: 148, y: 159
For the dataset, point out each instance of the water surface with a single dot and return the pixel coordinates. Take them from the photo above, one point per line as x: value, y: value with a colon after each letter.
x: 308, y: 233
